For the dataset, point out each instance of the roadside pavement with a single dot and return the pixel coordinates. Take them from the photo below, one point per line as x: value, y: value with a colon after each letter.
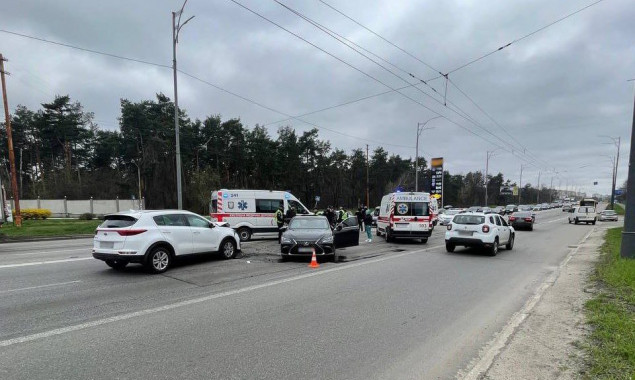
x: 546, y: 344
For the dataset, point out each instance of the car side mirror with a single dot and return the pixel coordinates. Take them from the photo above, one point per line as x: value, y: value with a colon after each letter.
x: 283, y: 228
x: 212, y: 225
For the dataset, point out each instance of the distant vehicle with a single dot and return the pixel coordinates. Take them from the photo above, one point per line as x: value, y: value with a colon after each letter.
x: 375, y: 216
x: 536, y: 208
x: 529, y: 209
x: 510, y: 209
x: 156, y: 238
x: 583, y: 214
x: 522, y: 219
x: 405, y: 215
x: 475, y: 209
x: 608, y: 215
x: 566, y: 206
x: 252, y: 211
x: 447, y: 207
x: 487, y: 210
x: 307, y: 233
x: 588, y: 202
x: 544, y: 206
x: 446, y: 217
x: 479, y: 230
x: 500, y: 210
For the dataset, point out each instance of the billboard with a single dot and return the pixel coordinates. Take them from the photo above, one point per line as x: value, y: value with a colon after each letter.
x: 507, y: 190
x: 436, y: 179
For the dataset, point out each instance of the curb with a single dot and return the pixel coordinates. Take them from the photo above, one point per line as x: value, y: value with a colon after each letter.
x: 4, y: 239
x: 490, y: 352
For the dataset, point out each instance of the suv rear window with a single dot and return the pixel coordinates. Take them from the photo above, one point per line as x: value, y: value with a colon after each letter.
x: 468, y: 219
x: 118, y: 221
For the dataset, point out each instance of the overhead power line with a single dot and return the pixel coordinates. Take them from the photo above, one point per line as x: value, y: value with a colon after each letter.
x: 86, y: 50
x: 290, y: 117
x: 352, y: 45
x: 522, y: 38
x: 381, y: 37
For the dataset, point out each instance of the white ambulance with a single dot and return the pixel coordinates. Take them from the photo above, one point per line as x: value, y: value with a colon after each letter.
x: 406, y: 215
x: 252, y: 211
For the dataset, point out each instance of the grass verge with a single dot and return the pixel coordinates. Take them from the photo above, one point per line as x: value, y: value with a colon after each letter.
x: 611, y: 345
x: 49, y: 228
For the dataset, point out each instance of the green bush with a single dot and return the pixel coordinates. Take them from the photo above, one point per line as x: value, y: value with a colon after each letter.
x: 87, y: 216
x: 34, y: 213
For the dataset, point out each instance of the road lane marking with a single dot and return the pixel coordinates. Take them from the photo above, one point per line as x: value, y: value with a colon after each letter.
x: 40, y: 286
x: 47, y: 252
x: 194, y: 301
x: 492, y: 349
x: 44, y: 262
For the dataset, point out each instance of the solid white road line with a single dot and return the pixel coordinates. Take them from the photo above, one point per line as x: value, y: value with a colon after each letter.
x: 40, y: 286
x: 87, y: 249
x: 99, y: 322
x: 492, y: 349
x: 44, y: 262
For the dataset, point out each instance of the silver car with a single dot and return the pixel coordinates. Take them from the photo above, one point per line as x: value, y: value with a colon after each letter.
x: 607, y: 215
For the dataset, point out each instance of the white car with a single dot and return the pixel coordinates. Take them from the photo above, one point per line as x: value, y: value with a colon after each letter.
x: 446, y: 217
x: 156, y: 238
x: 582, y: 214
x: 608, y: 215
x: 487, y: 231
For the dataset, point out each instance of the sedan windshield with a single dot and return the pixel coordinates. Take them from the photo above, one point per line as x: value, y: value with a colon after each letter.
x: 309, y: 224
x: 468, y: 219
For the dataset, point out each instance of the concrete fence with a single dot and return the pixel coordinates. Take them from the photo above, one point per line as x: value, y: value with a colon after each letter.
x: 63, y: 208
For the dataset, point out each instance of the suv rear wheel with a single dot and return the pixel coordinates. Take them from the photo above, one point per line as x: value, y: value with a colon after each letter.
x: 493, y: 251
x: 510, y: 243
x: 159, y: 260
x: 449, y: 247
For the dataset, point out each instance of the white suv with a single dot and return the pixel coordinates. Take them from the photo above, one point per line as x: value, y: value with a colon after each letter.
x: 155, y: 238
x: 479, y: 230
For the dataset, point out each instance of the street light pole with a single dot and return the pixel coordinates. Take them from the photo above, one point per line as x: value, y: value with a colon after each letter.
x: 520, y: 184
x: 176, y: 27
x: 420, y: 128
x: 489, y: 155
x: 538, y: 188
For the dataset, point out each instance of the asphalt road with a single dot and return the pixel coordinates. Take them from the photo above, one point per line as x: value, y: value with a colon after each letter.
x: 387, y: 311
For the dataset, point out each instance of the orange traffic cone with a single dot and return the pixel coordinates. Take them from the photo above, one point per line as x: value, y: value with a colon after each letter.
x: 314, y: 263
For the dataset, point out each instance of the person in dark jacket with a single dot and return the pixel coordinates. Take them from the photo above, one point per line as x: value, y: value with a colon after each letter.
x: 360, y: 218
x: 330, y: 216
x: 279, y: 218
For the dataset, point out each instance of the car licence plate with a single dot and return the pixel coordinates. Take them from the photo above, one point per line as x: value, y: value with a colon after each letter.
x: 305, y: 250
x: 107, y: 244
x: 465, y: 233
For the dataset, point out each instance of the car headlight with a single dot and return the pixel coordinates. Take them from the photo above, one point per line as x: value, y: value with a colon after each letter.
x: 326, y: 239
x: 286, y: 240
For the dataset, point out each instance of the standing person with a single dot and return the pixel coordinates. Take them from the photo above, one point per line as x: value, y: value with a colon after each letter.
x: 368, y: 221
x: 330, y: 216
x: 341, y: 215
x: 279, y: 218
x: 360, y: 218
x: 290, y: 214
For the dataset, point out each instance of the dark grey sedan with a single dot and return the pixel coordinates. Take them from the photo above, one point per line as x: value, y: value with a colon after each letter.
x: 522, y: 219
x: 313, y: 232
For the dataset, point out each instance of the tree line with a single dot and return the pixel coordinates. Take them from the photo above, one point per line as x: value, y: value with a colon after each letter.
x: 61, y: 152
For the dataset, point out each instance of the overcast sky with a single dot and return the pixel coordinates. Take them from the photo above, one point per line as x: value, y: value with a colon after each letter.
x: 551, y: 94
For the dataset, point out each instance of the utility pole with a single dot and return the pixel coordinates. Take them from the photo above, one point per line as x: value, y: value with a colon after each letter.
x: 628, y: 233
x: 420, y: 128
x: 489, y: 155
x: 551, y: 190
x: 14, y: 180
x: 520, y: 184
x: 538, y: 196
x: 367, y: 181
x: 176, y: 28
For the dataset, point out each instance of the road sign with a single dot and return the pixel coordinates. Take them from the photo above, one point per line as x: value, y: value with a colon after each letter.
x: 317, y: 198
x: 506, y: 190
x: 619, y: 191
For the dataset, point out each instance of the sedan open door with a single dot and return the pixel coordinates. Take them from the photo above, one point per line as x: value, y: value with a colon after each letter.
x: 346, y: 234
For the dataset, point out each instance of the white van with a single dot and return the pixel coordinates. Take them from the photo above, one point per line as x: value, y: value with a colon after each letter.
x: 406, y: 215
x: 252, y: 211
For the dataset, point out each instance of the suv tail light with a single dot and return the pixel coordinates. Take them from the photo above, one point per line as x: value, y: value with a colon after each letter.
x: 485, y: 229
x: 528, y: 219
x: 449, y: 226
x: 130, y: 232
